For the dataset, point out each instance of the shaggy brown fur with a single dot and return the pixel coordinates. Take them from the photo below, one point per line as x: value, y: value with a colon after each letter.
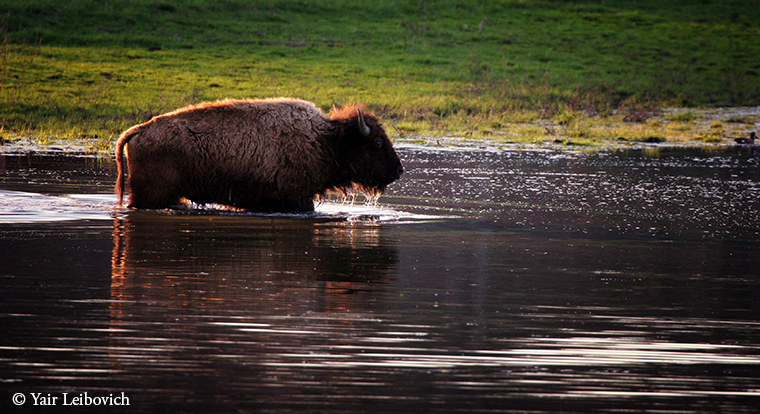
x: 272, y: 155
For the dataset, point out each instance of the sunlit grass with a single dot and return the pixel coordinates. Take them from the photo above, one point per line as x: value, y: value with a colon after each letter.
x: 502, y: 70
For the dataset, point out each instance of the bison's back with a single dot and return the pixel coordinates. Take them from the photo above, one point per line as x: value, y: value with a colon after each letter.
x: 258, y: 155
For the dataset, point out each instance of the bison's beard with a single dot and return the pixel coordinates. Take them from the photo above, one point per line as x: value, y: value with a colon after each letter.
x: 349, y: 192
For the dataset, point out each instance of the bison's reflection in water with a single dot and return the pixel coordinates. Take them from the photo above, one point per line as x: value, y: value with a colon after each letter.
x: 278, y: 265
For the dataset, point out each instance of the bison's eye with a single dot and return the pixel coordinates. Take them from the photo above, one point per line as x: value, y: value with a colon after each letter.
x: 378, y: 142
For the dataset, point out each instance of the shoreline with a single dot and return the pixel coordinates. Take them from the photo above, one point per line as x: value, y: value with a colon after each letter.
x: 68, y: 149
x: 710, y: 128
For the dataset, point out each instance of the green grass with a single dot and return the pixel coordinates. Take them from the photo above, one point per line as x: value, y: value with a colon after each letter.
x: 84, y: 69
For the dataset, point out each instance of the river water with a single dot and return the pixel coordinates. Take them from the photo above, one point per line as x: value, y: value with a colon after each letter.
x: 484, y: 281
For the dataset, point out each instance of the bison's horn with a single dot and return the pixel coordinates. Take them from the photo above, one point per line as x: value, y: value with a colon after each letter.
x: 363, y: 128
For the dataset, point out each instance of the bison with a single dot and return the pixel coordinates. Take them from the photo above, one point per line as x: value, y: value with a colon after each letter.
x: 272, y: 155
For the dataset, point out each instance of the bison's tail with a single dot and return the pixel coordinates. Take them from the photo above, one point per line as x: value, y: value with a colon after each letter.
x: 123, y: 140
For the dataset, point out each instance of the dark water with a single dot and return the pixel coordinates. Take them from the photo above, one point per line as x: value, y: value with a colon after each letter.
x: 535, y: 282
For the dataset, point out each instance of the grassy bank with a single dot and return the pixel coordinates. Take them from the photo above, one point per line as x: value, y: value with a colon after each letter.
x: 525, y: 70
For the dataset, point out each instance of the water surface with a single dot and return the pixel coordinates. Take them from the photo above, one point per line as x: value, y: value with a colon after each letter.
x: 485, y: 281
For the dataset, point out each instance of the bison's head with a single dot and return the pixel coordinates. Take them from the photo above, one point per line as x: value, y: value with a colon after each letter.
x: 366, y: 154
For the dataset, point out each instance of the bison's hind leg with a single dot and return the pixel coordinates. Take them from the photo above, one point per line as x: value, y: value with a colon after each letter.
x: 153, y: 191
x: 154, y: 201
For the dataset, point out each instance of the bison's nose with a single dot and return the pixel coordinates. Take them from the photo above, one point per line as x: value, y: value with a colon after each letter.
x: 394, y: 175
x: 397, y: 174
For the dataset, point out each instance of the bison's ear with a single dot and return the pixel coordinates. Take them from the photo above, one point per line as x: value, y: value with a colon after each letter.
x: 363, y: 128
